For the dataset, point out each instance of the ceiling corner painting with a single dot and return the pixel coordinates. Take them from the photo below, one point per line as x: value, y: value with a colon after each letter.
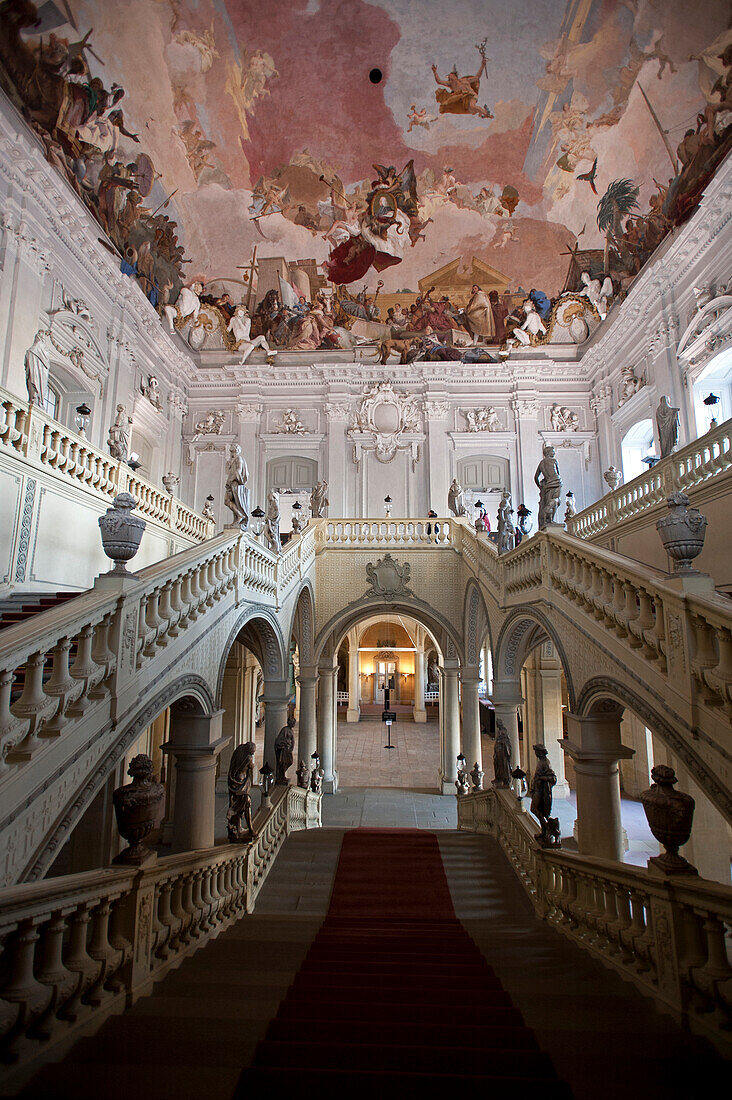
x: 377, y: 154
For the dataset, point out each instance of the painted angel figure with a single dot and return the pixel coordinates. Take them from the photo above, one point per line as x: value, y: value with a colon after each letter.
x: 419, y: 118
x: 459, y: 94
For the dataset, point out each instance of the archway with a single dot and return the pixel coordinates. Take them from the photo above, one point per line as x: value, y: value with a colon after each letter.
x: 637, y: 444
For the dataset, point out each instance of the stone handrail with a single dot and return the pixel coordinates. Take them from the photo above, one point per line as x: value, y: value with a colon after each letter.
x: 665, y: 934
x: 693, y: 465
x: 29, y: 432
x: 79, y: 947
x: 354, y: 534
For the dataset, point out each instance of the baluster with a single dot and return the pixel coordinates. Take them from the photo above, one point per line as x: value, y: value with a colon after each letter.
x: 59, y: 686
x: 53, y: 973
x: 166, y: 921
x: 31, y: 706
x: 22, y: 987
x: 153, y: 622
x: 166, y: 614
x: 12, y: 729
x: 102, y: 655
x: 83, y: 668
x: 78, y: 961
x: 102, y: 951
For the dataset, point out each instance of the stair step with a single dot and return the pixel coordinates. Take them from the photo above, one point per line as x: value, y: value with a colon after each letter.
x: 398, y: 1011
x: 397, y: 1033
x: 418, y: 983
x: 275, y: 1080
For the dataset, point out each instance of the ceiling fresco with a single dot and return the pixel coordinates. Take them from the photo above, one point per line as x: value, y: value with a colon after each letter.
x: 378, y: 146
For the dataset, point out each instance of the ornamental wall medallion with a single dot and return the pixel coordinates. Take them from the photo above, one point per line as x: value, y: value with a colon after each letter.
x: 384, y: 421
x: 388, y: 579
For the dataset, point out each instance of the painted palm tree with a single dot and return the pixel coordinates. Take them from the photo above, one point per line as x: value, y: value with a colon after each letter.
x: 620, y: 198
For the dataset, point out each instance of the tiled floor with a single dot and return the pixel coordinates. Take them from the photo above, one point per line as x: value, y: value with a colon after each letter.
x: 363, y: 761
x: 420, y: 809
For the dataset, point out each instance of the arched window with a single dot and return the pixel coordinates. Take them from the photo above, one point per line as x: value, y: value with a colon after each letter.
x: 52, y: 401
x: 637, y: 444
x: 716, y: 379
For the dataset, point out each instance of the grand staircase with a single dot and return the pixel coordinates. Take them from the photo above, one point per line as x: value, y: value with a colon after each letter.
x: 394, y: 961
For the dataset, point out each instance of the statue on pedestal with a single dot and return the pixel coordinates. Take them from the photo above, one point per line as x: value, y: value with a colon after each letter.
x: 303, y: 775
x: 119, y: 435
x: 236, y: 493
x: 667, y: 420
x: 506, y: 529
x: 549, y: 482
x: 272, y: 522
x: 284, y: 747
x: 542, y: 782
x: 37, y: 362
x: 462, y: 783
x: 477, y: 777
x: 456, y: 499
x: 319, y: 500
x: 240, y: 782
x: 502, y: 757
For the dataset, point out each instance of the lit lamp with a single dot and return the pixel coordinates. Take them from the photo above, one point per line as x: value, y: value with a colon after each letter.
x: 710, y: 401
x: 387, y: 506
x: 83, y: 412
x: 266, y: 782
x: 258, y: 521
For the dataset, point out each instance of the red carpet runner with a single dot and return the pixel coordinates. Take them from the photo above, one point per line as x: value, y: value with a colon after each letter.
x: 394, y: 990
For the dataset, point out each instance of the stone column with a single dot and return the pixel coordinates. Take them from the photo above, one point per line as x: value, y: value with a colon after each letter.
x: 276, y: 698
x: 354, y: 712
x: 307, y: 741
x: 419, y: 712
x: 450, y: 722
x: 195, y: 743
x: 594, y: 744
x: 471, y: 717
x: 506, y: 699
x: 550, y: 685
x: 326, y: 727
x: 234, y: 724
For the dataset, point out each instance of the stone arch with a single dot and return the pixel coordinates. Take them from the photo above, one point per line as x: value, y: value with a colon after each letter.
x: 522, y: 631
x: 258, y: 629
x: 476, y: 623
x: 303, y: 624
x: 677, y: 737
x: 189, y: 687
x: 443, y: 632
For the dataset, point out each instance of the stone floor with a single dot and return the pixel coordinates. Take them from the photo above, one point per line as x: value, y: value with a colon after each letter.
x: 363, y: 761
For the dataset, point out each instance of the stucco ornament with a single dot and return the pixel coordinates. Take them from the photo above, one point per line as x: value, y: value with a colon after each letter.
x: 388, y: 579
x: 387, y: 417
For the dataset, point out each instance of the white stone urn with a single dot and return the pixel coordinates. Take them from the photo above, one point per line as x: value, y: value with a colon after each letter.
x: 121, y: 531
x: 682, y: 532
x: 170, y: 481
x: 612, y: 477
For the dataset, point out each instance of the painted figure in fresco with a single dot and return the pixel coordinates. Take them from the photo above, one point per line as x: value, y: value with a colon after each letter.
x: 459, y: 94
x: 479, y: 314
x: 419, y: 118
x: 532, y: 328
x: 240, y: 327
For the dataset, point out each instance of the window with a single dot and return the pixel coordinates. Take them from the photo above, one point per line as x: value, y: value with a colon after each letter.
x: 52, y: 402
x: 637, y: 444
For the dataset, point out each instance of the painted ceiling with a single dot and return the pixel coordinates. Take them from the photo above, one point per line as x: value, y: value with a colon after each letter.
x: 264, y: 121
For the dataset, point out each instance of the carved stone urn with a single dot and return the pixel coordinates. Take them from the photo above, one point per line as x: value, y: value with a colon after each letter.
x: 121, y: 531
x: 682, y: 532
x: 670, y: 814
x: 139, y: 809
x: 612, y: 477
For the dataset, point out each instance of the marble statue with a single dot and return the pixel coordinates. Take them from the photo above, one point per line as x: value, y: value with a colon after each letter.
x: 119, y: 435
x: 667, y: 419
x: 540, y: 790
x: 272, y: 522
x: 482, y: 420
x: 563, y: 419
x: 432, y: 675
x: 319, y: 500
x: 236, y: 493
x: 37, y: 363
x: 549, y: 482
x: 502, y: 757
x: 298, y: 524
x: 570, y: 509
x: 211, y: 424
x: 207, y: 511
x: 613, y: 477
x: 150, y: 388
x: 506, y: 529
x: 316, y: 779
x: 629, y: 384
x: 240, y: 782
x: 303, y: 775
x: 284, y: 748
x: 456, y: 499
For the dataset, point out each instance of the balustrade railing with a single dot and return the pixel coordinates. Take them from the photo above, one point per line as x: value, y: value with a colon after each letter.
x: 368, y: 533
x: 668, y: 935
x: 28, y: 431
x: 77, y: 947
x: 693, y: 465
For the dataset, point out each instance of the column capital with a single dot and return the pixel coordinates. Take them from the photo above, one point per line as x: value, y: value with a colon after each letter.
x: 595, y: 759
x: 276, y: 691
x: 506, y: 693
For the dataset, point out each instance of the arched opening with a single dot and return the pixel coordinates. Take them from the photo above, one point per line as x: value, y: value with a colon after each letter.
x: 294, y: 477
x: 483, y: 477
x: 715, y: 380
x: 637, y: 444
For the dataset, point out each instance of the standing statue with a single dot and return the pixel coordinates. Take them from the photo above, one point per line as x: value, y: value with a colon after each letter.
x: 462, y: 783
x: 542, y: 782
x: 119, y: 435
x: 502, y: 757
x: 570, y: 510
x: 549, y: 481
x: 236, y: 493
x: 272, y: 522
x: 319, y: 500
x: 506, y: 529
x: 207, y: 511
x: 240, y: 782
x: 37, y: 363
x: 284, y: 748
x: 456, y: 499
x: 667, y: 419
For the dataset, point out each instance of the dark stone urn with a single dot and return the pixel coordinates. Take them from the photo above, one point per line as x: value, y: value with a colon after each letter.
x: 139, y: 809
x: 670, y: 814
x: 121, y: 531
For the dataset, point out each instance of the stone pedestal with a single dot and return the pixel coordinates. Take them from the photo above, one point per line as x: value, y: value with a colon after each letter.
x: 450, y: 723
x: 594, y: 744
x: 195, y: 743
